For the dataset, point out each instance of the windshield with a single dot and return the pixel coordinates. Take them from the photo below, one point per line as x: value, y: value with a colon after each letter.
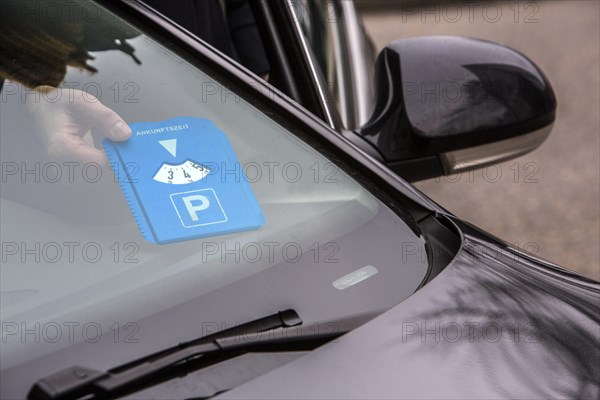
x: 78, y: 275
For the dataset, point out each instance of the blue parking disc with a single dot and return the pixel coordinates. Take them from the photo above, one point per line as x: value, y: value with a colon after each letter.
x: 182, y: 181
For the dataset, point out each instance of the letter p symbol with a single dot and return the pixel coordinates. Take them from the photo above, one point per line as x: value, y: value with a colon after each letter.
x: 198, y: 208
x: 194, y: 204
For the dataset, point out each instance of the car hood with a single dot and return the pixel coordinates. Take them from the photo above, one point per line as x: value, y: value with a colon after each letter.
x: 496, y: 323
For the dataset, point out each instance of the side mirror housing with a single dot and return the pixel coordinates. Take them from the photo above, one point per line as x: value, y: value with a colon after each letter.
x: 448, y: 104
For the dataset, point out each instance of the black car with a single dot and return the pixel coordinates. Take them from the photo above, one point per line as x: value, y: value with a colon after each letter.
x: 356, y: 285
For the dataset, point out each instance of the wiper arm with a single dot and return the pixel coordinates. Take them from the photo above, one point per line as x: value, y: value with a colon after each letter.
x: 78, y: 382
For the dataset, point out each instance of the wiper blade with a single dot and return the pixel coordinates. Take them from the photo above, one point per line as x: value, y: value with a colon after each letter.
x: 80, y: 382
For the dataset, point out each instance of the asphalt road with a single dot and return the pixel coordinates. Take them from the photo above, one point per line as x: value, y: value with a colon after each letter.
x: 548, y: 201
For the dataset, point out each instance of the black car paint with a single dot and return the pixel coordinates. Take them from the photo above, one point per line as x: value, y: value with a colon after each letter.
x: 496, y: 323
x: 473, y: 285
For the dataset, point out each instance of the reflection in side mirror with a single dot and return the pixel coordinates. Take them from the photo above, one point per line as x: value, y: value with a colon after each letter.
x: 448, y: 104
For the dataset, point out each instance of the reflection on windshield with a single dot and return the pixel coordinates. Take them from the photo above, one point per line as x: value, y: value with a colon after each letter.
x: 38, y: 40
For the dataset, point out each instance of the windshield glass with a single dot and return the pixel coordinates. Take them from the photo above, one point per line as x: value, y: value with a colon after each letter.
x: 76, y: 267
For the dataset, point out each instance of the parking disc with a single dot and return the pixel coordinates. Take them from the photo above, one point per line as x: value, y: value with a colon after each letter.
x: 182, y: 181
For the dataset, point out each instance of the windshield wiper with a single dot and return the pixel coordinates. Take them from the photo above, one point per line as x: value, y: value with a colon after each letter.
x: 80, y: 382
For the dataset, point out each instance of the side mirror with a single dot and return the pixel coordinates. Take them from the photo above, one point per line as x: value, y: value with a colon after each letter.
x: 449, y: 104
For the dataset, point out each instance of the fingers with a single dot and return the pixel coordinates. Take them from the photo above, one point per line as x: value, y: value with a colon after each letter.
x: 73, y: 148
x: 108, y: 122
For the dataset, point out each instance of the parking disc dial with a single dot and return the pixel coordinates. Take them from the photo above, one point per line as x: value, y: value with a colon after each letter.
x: 179, y: 174
x: 187, y: 172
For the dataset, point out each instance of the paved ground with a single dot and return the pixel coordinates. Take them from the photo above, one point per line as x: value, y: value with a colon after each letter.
x: 552, y: 205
